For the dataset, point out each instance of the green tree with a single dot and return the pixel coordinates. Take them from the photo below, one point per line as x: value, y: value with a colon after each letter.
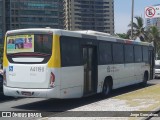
x: 153, y: 36
x: 123, y: 35
x: 138, y: 29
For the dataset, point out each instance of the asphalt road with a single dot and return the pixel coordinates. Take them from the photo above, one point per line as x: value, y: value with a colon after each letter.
x: 39, y: 104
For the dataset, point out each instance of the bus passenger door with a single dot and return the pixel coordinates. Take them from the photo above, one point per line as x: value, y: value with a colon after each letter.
x: 90, y: 69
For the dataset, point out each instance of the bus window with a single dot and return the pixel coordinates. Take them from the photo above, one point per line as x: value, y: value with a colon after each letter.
x: 138, y: 53
x: 70, y: 52
x: 145, y: 54
x: 118, y: 54
x: 41, y: 43
x: 105, y: 53
x: 129, y: 57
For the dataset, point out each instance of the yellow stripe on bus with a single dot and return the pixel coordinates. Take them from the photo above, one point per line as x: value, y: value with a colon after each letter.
x: 5, y: 60
x: 55, y: 61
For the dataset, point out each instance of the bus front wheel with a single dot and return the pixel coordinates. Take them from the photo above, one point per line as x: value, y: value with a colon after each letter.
x: 106, y: 88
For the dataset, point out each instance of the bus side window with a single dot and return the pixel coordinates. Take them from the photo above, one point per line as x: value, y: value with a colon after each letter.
x: 138, y: 53
x: 118, y: 53
x: 70, y: 51
x: 105, y: 53
x: 129, y: 56
x: 145, y: 54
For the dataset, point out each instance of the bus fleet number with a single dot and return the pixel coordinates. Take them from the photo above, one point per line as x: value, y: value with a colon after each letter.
x: 37, y: 69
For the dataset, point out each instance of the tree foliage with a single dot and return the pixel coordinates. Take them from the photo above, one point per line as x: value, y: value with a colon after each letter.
x: 138, y: 29
x: 124, y: 35
x: 153, y: 36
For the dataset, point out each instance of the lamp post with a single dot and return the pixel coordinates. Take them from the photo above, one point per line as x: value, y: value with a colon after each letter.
x: 132, y: 12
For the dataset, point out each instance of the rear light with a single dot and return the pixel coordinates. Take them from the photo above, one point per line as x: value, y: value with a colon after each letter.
x: 52, y: 80
x: 4, y: 78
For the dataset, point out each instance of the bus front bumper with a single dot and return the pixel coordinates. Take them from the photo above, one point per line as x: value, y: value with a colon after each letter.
x: 37, y: 93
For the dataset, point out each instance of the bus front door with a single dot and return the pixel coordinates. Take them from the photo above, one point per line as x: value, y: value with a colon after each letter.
x: 90, y: 69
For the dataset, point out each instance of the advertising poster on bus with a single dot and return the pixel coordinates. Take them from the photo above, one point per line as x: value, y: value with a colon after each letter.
x: 20, y: 43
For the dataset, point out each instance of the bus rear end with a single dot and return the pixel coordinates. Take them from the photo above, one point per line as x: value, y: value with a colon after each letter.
x: 29, y: 65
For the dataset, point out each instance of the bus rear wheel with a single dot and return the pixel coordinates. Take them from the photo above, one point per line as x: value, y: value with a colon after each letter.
x: 106, y: 88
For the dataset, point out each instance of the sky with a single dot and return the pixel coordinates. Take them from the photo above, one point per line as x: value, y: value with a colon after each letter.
x: 122, y: 12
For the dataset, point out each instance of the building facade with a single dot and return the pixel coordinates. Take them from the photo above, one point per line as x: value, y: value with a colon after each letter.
x: 2, y: 20
x: 33, y: 13
x: 19, y: 14
x: 95, y: 15
x: 153, y: 21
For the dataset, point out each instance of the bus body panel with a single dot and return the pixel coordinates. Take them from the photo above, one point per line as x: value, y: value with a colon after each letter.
x: 34, y: 87
x: 122, y: 77
x: 103, y: 72
x: 38, y: 93
x: 71, y: 92
x: 72, y: 81
x: 30, y: 76
x: 129, y: 73
x: 132, y: 73
x: 138, y: 72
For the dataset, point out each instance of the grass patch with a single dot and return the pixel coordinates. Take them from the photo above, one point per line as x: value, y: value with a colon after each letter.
x: 147, y: 99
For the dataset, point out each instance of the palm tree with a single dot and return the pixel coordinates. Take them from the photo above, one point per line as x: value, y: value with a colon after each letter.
x: 138, y: 29
x: 123, y: 35
x: 153, y: 36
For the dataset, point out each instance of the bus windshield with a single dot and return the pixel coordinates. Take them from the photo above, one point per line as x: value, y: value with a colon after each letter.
x: 32, y: 43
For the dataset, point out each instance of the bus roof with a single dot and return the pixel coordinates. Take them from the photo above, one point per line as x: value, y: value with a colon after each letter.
x: 81, y: 34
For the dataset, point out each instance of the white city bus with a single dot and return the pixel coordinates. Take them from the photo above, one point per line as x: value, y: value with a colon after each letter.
x: 54, y: 63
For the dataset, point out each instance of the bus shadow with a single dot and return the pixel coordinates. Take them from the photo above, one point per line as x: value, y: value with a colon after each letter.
x: 68, y: 104
x: 4, y: 98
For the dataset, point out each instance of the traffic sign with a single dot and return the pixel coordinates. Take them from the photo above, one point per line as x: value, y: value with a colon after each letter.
x: 152, y: 12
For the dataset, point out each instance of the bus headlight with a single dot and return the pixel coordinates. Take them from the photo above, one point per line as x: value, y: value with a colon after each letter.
x: 4, y: 78
x: 52, y: 80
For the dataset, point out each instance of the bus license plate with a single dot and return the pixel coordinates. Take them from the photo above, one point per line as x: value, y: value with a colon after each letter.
x: 26, y: 93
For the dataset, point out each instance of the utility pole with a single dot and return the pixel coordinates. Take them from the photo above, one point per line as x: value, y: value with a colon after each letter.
x: 132, y: 12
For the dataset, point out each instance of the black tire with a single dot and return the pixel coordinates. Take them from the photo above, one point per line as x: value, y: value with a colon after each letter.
x: 145, y: 79
x: 107, y: 88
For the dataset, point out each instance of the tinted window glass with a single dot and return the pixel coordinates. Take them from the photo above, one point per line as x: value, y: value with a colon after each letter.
x: 105, y: 53
x: 145, y: 54
x: 138, y: 53
x: 118, y: 54
x: 129, y: 57
x: 43, y: 44
x: 70, y: 51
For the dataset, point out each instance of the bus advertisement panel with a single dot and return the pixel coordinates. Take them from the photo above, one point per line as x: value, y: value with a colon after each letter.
x: 20, y: 43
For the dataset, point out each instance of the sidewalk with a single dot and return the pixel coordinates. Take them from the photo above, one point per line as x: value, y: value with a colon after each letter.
x: 145, y: 99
